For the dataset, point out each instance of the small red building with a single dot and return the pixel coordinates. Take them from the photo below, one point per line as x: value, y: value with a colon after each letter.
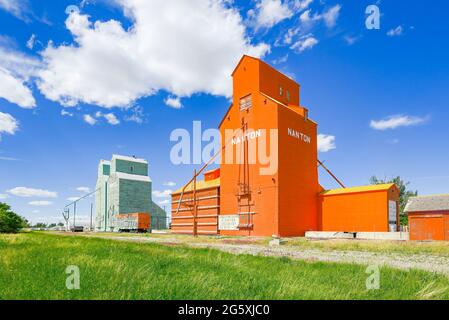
x: 428, y: 217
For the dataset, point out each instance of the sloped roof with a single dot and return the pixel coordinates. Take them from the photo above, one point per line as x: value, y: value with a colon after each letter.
x: 428, y: 203
x: 200, y: 184
x: 374, y: 187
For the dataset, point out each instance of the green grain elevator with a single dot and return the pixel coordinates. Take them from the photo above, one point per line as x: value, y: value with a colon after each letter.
x: 123, y: 186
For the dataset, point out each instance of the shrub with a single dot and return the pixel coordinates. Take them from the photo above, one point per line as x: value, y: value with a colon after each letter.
x: 9, y: 221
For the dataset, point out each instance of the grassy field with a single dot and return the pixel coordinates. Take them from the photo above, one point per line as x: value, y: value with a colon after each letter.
x: 436, y: 248
x: 32, y: 266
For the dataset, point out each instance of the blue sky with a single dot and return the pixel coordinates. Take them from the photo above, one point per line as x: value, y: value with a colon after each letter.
x: 119, y: 76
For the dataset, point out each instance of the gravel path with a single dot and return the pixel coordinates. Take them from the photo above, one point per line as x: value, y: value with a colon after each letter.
x: 430, y: 263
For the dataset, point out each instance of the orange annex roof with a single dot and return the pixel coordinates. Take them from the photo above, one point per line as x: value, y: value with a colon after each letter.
x: 200, y: 184
x: 370, y: 188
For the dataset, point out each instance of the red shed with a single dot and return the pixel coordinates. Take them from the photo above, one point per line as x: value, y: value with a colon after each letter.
x: 428, y: 217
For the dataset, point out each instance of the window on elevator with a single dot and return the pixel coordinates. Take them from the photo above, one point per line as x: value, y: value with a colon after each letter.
x: 281, y: 91
x: 246, y: 102
x: 287, y: 93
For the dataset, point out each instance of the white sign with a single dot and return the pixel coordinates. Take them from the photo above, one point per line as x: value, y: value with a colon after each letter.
x: 251, y: 135
x: 392, y: 211
x: 228, y: 222
x: 299, y: 135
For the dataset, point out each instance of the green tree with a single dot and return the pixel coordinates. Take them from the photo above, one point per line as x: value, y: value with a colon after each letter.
x: 40, y: 225
x: 10, y: 222
x: 404, y: 194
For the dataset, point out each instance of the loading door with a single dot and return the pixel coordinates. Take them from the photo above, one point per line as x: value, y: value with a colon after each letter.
x: 427, y: 228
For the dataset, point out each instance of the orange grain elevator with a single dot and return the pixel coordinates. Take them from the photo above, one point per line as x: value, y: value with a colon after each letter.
x: 269, y: 176
x: 267, y: 184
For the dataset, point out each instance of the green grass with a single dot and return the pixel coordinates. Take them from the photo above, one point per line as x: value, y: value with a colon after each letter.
x: 32, y: 266
x: 435, y: 248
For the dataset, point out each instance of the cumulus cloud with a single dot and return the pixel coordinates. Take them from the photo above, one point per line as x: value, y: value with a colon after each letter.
x: 305, y: 43
x: 330, y: 16
x: 40, y: 203
x: 15, y: 91
x: 16, y: 69
x: 164, y: 202
x: 174, y: 102
x: 89, y: 119
x: 83, y: 189
x: 71, y: 199
x: 270, y: 12
x: 326, y: 143
x: 162, y: 194
x: 66, y: 113
x: 169, y: 184
x: 396, y: 121
x: 395, y: 31
x: 111, y: 119
x: 32, y: 192
x: 8, y: 124
x: 183, y: 47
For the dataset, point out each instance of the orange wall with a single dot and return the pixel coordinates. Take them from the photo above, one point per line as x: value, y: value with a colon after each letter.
x: 298, y: 175
x: 357, y: 212
x: 271, y: 80
x: 208, y: 204
x: 429, y: 225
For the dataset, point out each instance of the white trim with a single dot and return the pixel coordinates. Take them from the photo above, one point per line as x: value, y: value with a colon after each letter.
x: 132, y: 177
x: 127, y: 158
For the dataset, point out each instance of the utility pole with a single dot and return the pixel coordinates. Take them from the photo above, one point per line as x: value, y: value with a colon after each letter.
x: 195, y: 229
x: 91, y: 209
x: 74, y: 216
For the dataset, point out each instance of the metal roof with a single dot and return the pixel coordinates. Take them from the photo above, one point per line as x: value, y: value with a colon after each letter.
x: 428, y: 203
x: 374, y: 187
x: 200, y: 184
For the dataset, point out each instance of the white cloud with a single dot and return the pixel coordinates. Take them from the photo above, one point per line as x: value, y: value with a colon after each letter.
x: 15, y: 7
x: 162, y: 194
x: 164, y: 202
x: 31, y: 192
x: 16, y: 69
x: 9, y: 159
x: 40, y: 203
x: 169, y: 184
x: 89, y: 119
x: 330, y: 16
x: 66, y: 113
x: 71, y: 199
x: 111, y: 119
x: 83, y: 189
x: 174, y: 102
x: 395, y: 32
x: 183, y: 47
x: 350, y: 40
x: 136, y: 115
x: 8, y: 124
x: 270, y: 12
x: 302, y: 4
x: 15, y: 91
x: 326, y: 143
x: 305, y: 43
x: 396, y: 121
x: 31, y: 41
x: 306, y: 17
x: 3, y: 196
